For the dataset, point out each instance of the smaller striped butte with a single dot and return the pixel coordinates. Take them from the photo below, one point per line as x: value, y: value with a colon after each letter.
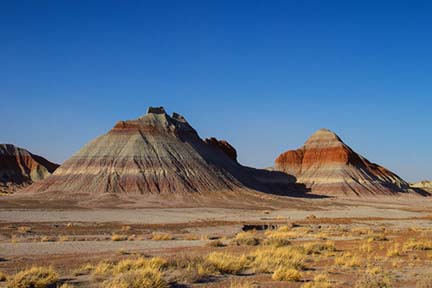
x: 20, y: 168
x: 327, y: 166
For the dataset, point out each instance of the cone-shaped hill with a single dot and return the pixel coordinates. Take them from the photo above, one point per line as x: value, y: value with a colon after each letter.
x: 156, y: 155
x: 20, y: 168
x: 327, y: 166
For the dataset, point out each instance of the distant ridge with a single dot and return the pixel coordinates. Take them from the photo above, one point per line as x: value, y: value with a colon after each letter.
x: 20, y: 168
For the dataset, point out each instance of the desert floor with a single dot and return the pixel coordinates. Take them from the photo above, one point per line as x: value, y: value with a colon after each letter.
x: 332, y: 243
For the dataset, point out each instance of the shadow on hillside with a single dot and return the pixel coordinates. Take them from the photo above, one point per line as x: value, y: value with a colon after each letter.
x: 266, y: 181
x: 421, y: 192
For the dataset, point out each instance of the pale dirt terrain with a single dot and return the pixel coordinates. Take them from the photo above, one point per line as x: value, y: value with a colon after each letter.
x: 69, y: 238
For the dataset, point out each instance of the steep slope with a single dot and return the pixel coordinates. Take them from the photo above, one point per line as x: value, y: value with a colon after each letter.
x: 156, y: 154
x: 327, y: 166
x: 20, y: 168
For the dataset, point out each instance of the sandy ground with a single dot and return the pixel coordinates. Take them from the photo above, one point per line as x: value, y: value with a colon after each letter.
x: 89, y: 231
x: 49, y: 248
x: 322, y: 209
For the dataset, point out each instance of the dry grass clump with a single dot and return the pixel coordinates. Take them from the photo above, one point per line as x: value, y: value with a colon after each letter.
x: 418, y: 244
x: 137, y: 272
x: 242, y: 284
x: 366, y: 247
x: 319, y: 247
x: 228, y: 264
x: 377, y: 237
x: 63, y: 238
x: 35, y: 277
x: 3, y: 276
x: 246, y: 238
x: 425, y: 281
x: 46, y: 239
x: 191, y: 237
x: 191, y: 269
x: 269, y: 259
x: 319, y: 281
x: 368, y: 280
x: 126, y: 265
x: 394, y: 250
x: 286, y: 232
x: 276, y: 242
x: 66, y: 285
x: 83, y: 270
x: 348, y: 260
x: 157, y: 236
x: 24, y: 229
x: 373, y: 270
x: 118, y: 237
x: 359, y: 231
x: 143, y: 278
x: 102, y: 270
x: 286, y: 274
x: 215, y: 243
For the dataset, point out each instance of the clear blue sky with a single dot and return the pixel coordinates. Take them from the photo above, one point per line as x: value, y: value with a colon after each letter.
x: 262, y: 74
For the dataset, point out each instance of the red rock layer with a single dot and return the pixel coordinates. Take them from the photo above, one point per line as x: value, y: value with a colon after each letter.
x: 224, y: 146
x: 20, y: 168
x: 327, y: 166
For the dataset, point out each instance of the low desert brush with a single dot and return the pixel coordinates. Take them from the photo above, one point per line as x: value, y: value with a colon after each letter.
x: 286, y: 274
x: 319, y: 281
x: 24, y: 229
x: 161, y: 236
x: 227, y: 263
x: 348, y: 260
x: 66, y: 285
x: 215, y: 243
x: 3, y: 276
x: 418, y: 244
x: 276, y: 242
x: 394, y: 250
x: 242, y: 284
x: 368, y: 280
x: 269, y: 259
x: 102, y: 270
x: 246, y: 238
x: 125, y: 265
x: 142, y: 278
x: 425, y: 281
x: 319, y: 247
x: 83, y: 270
x: 35, y: 277
x: 118, y: 237
x: 192, y: 269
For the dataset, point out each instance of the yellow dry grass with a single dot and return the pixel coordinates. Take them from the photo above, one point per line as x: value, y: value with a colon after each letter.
x: 142, y: 278
x: 286, y: 274
x: 246, y: 238
x: 227, y: 263
x: 348, y: 260
x: 319, y: 281
x: 119, y: 237
x: 125, y: 265
x: 157, y: 236
x: 34, y: 277
x: 269, y: 259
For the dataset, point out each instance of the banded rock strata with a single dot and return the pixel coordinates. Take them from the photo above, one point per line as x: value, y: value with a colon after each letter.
x: 327, y: 166
x: 152, y: 155
x: 20, y: 168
